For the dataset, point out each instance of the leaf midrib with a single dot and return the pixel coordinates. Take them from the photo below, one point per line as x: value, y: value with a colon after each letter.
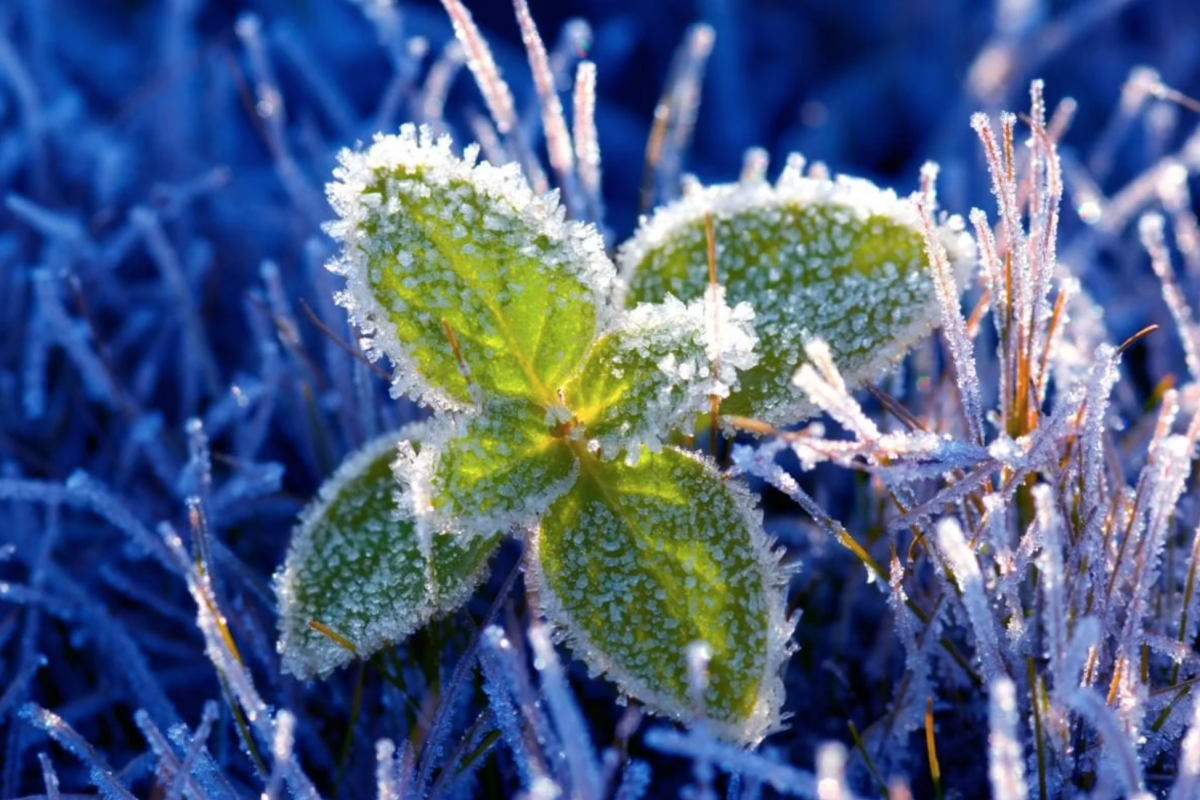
x: 453, y: 257
x: 588, y: 464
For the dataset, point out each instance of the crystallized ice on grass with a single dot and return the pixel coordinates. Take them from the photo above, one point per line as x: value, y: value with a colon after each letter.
x: 356, y: 567
x: 638, y: 562
x: 841, y: 260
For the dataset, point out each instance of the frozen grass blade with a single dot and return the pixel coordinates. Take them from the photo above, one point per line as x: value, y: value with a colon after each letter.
x: 782, y: 778
x: 1187, y: 781
x: 333, y: 101
x: 521, y: 724
x: 385, y: 771
x: 965, y: 565
x: 30, y: 102
x: 962, y: 348
x: 437, y: 85
x: 17, y: 687
x: 675, y: 117
x: 495, y: 91
x: 568, y: 721
x: 635, y: 781
x: 1122, y: 760
x: 1006, y: 762
x: 269, y: 108
x: 49, y: 777
x: 1151, y: 230
x: 199, y: 741
x: 554, y: 123
x: 831, y: 773
x: 1050, y: 531
x: 102, y: 774
x: 587, y: 143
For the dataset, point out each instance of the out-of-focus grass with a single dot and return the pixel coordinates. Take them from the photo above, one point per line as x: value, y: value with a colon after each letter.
x: 117, y: 328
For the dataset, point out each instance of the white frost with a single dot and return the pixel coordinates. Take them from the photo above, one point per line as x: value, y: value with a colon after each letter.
x: 801, y: 278
x: 370, y: 223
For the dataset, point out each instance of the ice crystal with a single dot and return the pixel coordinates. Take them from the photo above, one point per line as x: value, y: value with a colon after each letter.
x: 452, y: 264
x: 836, y: 259
x: 631, y: 544
x: 659, y: 367
x: 357, y: 568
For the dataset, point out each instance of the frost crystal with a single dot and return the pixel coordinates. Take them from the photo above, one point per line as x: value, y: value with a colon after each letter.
x: 448, y: 260
x: 661, y: 365
x: 837, y: 259
x: 636, y: 564
x: 359, y: 571
x: 489, y: 473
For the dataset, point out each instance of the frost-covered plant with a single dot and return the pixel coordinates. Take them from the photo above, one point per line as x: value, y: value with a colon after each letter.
x: 145, y: 480
x: 841, y: 260
x: 1015, y: 531
x: 554, y: 405
x: 494, y: 310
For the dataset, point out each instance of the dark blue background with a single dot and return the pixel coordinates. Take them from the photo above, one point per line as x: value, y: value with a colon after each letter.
x: 131, y: 104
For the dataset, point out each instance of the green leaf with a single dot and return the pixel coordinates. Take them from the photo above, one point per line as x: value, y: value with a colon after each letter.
x: 655, y: 371
x: 430, y: 241
x: 840, y: 260
x: 356, y: 567
x: 638, y: 562
x: 493, y: 471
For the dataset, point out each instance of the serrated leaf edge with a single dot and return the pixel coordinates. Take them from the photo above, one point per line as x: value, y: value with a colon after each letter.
x: 298, y: 660
x: 417, y: 147
x: 767, y: 717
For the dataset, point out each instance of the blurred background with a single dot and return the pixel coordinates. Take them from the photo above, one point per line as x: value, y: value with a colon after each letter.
x: 162, y: 167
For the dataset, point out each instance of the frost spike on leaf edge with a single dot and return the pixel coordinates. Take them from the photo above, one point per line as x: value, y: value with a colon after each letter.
x: 675, y: 232
x: 766, y: 716
x: 652, y: 370
x: 308, y: 654
x: 443, y: 494
x: 382, y: 196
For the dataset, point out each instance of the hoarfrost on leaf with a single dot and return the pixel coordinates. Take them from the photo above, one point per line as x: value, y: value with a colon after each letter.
x: 492, y: 471
x: 357, y: 568
x: 447, y: 260
x: 637, y: 563
x: 839, y: 259
x: 658, y: 367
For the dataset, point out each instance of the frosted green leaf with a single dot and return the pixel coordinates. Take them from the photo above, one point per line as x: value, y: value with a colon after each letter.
x: 638, y: 562
x: 356, y: 567
x: 492, y: 471
x: 656, y: 370
x: 431, y: 240
x: 842, y: 260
